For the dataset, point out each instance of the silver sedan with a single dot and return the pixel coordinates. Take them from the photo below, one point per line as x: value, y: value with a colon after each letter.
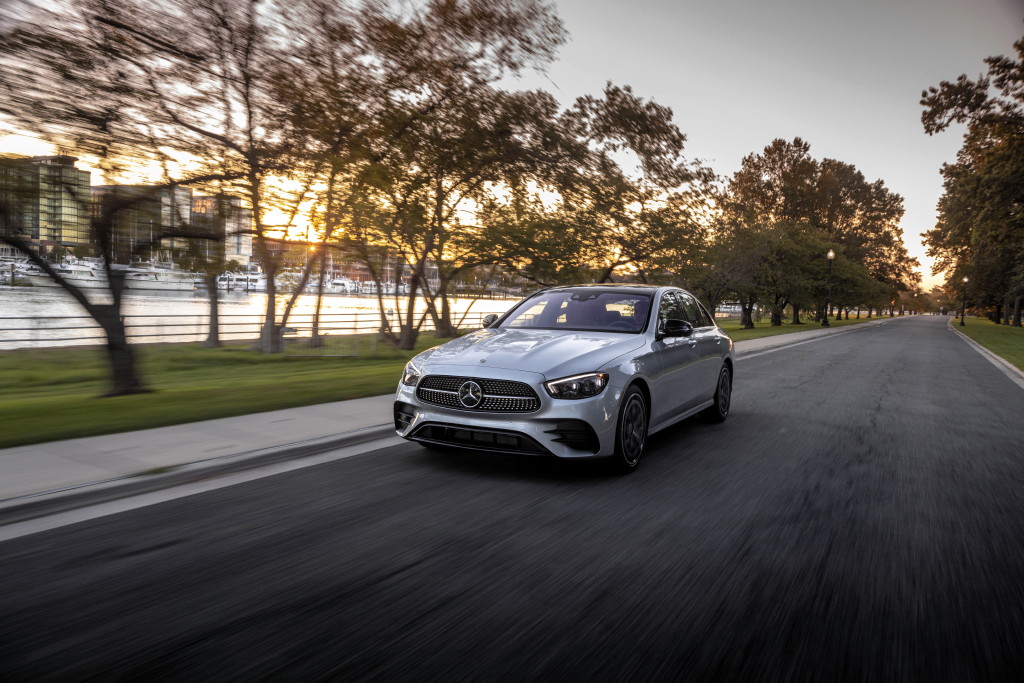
x: 586, y: 371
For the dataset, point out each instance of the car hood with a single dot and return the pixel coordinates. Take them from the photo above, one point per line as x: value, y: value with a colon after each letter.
x: 552, y: 353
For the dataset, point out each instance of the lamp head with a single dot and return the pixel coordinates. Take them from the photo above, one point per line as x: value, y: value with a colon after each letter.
x: 965, y: 279
x: 830, y: 255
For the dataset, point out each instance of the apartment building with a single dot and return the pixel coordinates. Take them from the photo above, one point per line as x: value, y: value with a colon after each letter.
x: 48, y: 199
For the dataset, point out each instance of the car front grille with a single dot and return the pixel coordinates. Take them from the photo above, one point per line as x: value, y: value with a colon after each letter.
x: 499, y: 396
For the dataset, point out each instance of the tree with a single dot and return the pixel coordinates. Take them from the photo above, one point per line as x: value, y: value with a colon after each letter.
x: 372, y: 99
x: 795, y: 208
x: 616, y: 198
x: 980, y: 227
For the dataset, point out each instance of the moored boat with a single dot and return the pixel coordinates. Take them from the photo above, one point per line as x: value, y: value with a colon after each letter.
x: 83, y: 275
x: 160, y: 278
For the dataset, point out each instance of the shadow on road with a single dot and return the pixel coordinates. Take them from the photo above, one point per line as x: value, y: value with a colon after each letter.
x: 508, y: 466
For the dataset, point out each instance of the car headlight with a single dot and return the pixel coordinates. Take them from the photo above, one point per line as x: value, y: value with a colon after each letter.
x: 411, y: 375
x: 578, y: 386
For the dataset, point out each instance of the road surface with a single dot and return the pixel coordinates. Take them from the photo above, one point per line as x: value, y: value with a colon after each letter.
x: 858, y: 517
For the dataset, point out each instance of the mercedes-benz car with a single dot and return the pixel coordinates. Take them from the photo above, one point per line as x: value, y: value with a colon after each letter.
x: 587, y: 371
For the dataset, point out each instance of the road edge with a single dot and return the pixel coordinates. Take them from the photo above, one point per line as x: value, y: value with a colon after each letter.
x: 1008, y: 368
x: 44, y: 503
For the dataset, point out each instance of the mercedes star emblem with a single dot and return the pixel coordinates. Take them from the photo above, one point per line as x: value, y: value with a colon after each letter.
x: 470, y: 394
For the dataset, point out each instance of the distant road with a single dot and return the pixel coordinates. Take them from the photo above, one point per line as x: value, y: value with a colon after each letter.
x: 860, y: 516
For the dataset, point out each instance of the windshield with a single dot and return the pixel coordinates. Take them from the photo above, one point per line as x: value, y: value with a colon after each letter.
x: 586, y: 309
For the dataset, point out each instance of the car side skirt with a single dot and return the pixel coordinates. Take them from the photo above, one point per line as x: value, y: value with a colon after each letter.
x: 675, y: 419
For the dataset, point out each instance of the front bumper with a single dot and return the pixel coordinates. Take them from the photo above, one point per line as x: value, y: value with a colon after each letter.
x: 582, y: 428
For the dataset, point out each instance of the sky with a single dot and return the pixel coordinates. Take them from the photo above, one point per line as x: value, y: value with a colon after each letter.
x: 844, y: 75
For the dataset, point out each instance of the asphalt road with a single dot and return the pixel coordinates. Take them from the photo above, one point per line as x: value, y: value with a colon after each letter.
x: 858, y: 517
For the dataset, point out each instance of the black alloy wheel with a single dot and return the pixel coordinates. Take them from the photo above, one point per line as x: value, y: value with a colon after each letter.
x: 719, y: 410
x: 632, y: 430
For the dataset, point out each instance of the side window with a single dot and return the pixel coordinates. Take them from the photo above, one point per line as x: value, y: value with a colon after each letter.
x: 669, y: 308
x: 700, y: 317
x: 691, y: 310
x: 708, y: 320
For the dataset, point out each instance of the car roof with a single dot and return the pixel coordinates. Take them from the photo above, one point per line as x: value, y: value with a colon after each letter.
x: 611, y: 286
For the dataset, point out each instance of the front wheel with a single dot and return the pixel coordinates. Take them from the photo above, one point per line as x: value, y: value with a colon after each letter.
x: 632, y: 431
x: 719, y: 410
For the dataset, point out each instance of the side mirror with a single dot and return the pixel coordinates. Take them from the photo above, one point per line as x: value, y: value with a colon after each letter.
x: 677, y: 328
x: 489, y: 319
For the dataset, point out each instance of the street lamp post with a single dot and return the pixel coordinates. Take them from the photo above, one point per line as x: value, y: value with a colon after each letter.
x: 831, y: 255
x: 963, y: 306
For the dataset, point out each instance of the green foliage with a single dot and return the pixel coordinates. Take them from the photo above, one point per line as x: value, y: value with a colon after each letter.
x: 783, y: 210
x: 980, y: 227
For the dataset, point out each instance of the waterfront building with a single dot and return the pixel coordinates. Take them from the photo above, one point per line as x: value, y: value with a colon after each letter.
x: 48, y: 198
x: 143, y: 214
x: 226, y: 217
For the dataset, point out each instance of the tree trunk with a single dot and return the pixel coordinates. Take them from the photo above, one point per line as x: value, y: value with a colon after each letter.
x: 776, y: 316
x: 1016, y: 311
x: 796, y: 315
x: 747, y: 313
x: 124, y: 376
x: 271, y: 340
x: 315, y: 341
x: 213, y: 336
x: 407, y: 338
x: 443, y: 323
x: 409, y: 332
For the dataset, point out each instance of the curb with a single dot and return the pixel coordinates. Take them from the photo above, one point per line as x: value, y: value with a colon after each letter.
x: 44, y: 503
x: 1008, y: 368
x: 810, y: 337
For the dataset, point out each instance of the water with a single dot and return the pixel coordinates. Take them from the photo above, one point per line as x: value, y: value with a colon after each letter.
x: 44, y: 316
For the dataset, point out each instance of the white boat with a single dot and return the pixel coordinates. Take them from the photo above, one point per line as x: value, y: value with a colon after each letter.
x: 340, y: 285
x: 160, y: 278
x: 242, y: 282
x: 86, y: 276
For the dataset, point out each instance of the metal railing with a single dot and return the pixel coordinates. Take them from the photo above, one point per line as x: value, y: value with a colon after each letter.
x: 48, y: 331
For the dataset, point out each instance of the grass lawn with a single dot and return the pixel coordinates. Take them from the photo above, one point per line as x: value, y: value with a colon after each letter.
x: 1003, y: 340
x: 51, y: 394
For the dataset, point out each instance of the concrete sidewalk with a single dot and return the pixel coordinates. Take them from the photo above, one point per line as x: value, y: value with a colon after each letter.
x: 143, y: 460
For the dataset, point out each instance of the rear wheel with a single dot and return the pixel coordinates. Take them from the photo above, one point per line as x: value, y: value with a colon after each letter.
x: 632, y: 430
x: 719, y: 410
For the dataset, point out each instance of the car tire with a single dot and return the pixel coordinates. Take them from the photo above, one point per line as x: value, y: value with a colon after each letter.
x: 631, y: 430
x: 719, y: 410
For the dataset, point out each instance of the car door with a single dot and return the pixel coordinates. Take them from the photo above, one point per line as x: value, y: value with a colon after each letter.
x: 674, y: 390
x: 709, y: 347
